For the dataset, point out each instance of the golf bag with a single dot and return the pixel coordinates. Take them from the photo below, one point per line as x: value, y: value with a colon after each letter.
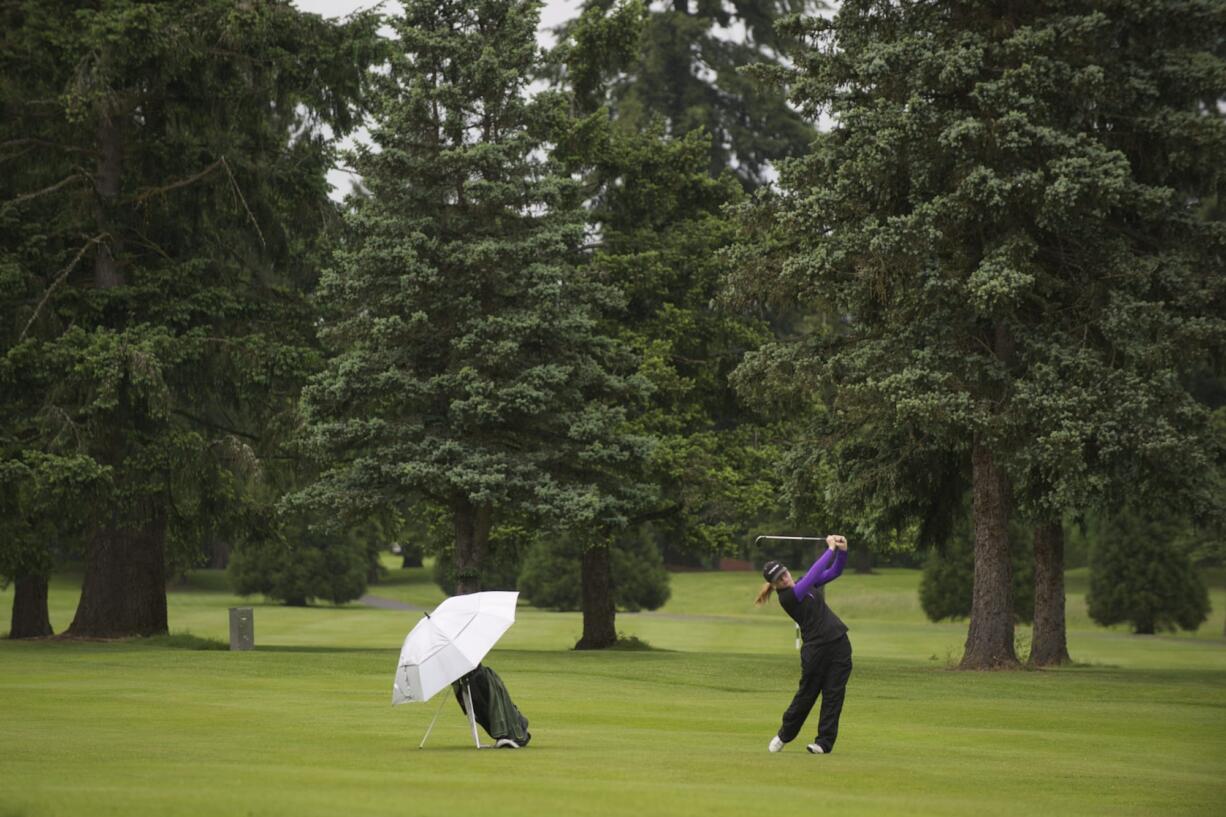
x: 492, y: 705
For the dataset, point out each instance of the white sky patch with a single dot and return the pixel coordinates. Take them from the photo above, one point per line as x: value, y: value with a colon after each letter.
x: 553, y: 14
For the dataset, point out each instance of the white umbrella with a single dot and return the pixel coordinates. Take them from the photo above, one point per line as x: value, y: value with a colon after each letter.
x: 449, y: 643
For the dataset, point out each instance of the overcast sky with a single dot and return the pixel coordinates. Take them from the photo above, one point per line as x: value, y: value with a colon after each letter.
x: 554, y: 12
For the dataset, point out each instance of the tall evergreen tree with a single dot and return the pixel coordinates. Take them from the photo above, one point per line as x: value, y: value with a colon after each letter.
x: 470, y: 364
x: 661, y: 226
x: 657, y: 225
x: 163, y: 198
x: 1005, y: 217
x: 686, y: 72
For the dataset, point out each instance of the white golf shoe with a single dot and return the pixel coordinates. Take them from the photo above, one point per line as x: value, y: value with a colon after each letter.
x: 814, y: 749
x: 776, y: 745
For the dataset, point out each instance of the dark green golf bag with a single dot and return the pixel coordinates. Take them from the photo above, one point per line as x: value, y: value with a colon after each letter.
x: 492, y: 706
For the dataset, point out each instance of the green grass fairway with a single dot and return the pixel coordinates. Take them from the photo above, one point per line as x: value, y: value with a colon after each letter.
x: 303, y: 725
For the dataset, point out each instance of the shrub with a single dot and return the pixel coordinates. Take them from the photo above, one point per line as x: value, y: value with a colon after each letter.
x: 551, y: 576
x: 1140, y: 573
x: 301, y: 567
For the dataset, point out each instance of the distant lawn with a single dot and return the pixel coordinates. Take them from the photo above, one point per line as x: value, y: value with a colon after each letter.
x: 412, y: 586
x: 303, y: 726
x: 891, y: 595
x: 882, y: 608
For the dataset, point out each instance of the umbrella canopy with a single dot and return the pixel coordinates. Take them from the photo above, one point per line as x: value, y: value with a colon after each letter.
x: 450, y: 642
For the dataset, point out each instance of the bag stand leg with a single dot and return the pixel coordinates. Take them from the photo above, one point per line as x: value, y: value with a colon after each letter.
x: 472, y: 717
x: 429, y: 728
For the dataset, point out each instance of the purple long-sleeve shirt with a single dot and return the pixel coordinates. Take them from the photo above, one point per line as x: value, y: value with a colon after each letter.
x: 817, y: 622
x: 827, y: 568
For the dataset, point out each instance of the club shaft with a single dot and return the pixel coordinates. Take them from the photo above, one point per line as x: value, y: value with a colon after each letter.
x: 791, y: 538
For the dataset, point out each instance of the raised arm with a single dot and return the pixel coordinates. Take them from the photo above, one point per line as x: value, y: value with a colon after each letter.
x: 819, y: 573
x: 835, y: 570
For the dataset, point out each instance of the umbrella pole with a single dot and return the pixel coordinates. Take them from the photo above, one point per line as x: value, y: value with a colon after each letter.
x: 430, y: 728
x: 472, y: 717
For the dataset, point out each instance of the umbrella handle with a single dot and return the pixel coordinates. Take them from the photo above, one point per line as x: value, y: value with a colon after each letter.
x: 429, y: 728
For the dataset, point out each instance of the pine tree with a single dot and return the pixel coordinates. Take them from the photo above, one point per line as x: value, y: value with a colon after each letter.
x: 686, y: 73
x: 470, y: 368
x: 164, y: 200
x: 662, y: 225
x: 1140, y: 573
x: 657, y: 224
x: 1005, y: 219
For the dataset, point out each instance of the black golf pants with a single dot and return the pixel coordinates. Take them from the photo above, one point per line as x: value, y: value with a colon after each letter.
x: 824, y: 671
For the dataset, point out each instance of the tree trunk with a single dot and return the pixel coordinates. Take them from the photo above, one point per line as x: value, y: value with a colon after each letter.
x: 219, y: 554
x: 124, y: 593
x: 472, y: 532
x: 863, y: 562
x: 30, y: 617
x: 989, y: 641
x: 107, y: 185
x: 599, y: 614
x: 410, y: 556
x: 1049, y: 643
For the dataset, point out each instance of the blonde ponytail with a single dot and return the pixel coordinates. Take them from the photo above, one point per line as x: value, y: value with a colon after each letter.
x: 763, y: 594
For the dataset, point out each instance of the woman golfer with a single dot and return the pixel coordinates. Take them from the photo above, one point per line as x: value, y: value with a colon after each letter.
x: 825, y: 654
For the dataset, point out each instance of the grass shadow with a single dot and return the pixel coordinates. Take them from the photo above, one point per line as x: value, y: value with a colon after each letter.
x: 181, y: 641
x: 632, y: 643
x: 172, y: 641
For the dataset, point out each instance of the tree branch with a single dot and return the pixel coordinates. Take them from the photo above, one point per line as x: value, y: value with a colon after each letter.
x: 155, y: 191
x: 46, y: 190
x: 243, y: 199
x: 660, y: 513
x: 11, y: 156
x: 44, y: 143
x: 215, y: 426
x: 58, y: 280
x: 175, y: 185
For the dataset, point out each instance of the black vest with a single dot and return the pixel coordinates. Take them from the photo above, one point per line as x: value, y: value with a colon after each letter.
x: 818, y: 623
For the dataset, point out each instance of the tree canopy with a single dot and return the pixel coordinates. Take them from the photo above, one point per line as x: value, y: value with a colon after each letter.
x: 164, y: 200
x: 469, y: 364
x: 685, y: 71
x: 1006, y: 238
x: 569, y: 322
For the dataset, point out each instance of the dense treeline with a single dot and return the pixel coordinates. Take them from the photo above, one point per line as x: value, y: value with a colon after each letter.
x: 623, y: 296
x: 1004, y: 232
x: 164, y: 215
